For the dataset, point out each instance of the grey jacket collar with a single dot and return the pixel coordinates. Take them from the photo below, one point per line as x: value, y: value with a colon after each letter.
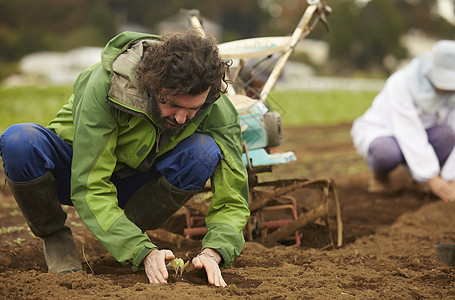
x: 125, y: 89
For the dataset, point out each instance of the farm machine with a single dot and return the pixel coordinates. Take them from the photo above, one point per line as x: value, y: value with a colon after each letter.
x: 279, y: 210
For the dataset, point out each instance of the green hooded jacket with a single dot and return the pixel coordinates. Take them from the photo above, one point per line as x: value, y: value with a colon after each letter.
x: 108, y: 123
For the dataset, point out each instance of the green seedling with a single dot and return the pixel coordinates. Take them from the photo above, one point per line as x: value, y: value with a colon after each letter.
x: 11, y: 229
x: 9, y: 204
x: 179, y: 266
x: 19, y: 240
x: 14, y: 213
x: 76, y: 224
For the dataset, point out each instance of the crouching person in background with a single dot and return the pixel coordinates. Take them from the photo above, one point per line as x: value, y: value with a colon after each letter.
x: 411, y: 123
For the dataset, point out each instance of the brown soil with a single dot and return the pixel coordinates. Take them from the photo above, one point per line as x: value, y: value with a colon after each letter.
x: 388, y: 247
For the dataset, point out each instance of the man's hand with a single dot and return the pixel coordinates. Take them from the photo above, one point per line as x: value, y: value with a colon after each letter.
x: 442, y: 188
x: 155, y: 265
x: 210, y: 263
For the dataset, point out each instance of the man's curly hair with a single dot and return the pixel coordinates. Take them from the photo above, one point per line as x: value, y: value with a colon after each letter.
x: 184, y: 64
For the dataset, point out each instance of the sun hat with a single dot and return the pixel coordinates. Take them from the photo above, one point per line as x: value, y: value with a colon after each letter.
x: 442, y: 74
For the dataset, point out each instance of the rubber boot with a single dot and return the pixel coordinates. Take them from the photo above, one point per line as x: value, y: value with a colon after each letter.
x: 445, y: 253
x: 155, y: 202
x: 39, y: 204
x: 379, y: 183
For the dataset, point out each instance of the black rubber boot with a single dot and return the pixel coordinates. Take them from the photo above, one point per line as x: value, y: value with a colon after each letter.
x: 155, y: 202
x: 39, y: 204
x: 445, y: 253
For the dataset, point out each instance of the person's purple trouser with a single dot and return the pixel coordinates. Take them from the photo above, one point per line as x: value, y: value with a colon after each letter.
x: 385, y: 154
x: 28, y: 150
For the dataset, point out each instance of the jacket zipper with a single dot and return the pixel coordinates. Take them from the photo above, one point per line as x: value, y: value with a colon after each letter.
x: 131, y: 112
x: 157, y: 141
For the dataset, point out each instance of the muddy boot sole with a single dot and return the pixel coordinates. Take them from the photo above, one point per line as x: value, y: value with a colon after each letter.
x: 445, y: 253
x: 61, y: 253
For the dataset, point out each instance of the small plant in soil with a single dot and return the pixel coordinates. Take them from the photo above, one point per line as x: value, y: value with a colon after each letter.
x: 179, y: 266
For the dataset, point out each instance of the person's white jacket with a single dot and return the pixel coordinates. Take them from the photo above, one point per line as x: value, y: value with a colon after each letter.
x: 407, y: 106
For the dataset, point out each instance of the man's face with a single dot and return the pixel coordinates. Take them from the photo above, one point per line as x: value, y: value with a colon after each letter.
x: 173, y: 113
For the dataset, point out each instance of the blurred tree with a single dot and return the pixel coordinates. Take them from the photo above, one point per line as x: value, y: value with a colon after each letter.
x: 364, y: 37
x: 361, y: 37
x: 243, y: 18
x: 239, y: 18
x: 421, y: 14
x: 29, y: 26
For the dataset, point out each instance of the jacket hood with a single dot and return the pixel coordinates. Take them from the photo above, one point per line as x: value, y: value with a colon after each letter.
x: 121, y: 57
x: 118, y: 44
x: 426, y: 98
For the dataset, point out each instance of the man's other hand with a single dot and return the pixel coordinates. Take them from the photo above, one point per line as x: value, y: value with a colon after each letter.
x: 209, y: 259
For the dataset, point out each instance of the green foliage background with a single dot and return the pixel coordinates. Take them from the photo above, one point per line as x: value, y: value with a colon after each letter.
x: 31, y: 104
x: 331, y: 107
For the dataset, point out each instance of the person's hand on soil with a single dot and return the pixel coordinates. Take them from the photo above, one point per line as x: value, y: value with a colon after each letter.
x: 155, y: 265
x: 442, y: 189
x: 452, y: 188
x: 210, y: 259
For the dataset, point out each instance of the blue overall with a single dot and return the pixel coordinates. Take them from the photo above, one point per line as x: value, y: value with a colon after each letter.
x: 28, y: 150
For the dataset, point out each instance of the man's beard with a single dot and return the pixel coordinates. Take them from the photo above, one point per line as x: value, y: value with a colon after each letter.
x: 163, y: 122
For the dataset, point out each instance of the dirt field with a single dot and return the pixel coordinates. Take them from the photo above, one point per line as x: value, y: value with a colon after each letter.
x: 388, y: 247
